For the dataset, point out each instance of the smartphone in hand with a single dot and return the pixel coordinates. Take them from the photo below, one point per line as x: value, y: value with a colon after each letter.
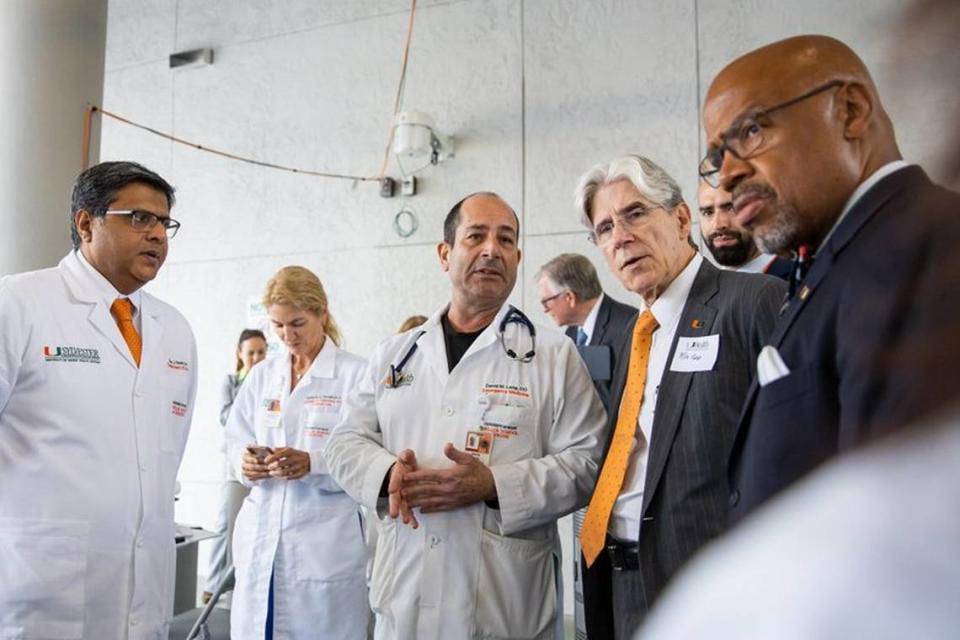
x: 259, y: 452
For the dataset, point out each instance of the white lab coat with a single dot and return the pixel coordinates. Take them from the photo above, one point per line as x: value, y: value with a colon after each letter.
x: 89, y: 450
x: 474, y: 572
x: 307, y: 532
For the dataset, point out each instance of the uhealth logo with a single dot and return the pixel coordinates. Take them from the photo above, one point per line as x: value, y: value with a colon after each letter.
x: 71, y: 354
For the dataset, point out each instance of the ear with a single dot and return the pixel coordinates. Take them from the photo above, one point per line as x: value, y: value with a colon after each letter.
x: 685, y: 219
x: 443, y: 252
x: 83, y: 220
x: 856, y: 109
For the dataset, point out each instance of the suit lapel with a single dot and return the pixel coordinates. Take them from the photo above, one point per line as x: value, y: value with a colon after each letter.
x: 861, y: 213
x: 603, y: 317
x: 619, y: 381
x: 696, y: 320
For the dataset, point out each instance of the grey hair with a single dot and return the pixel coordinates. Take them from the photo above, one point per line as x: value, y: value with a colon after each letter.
x: 648, y: 177
x: 573, y: 272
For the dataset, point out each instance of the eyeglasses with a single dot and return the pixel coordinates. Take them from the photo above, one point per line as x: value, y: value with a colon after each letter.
x: 630, y: 220
x: 546, y: 301
x: 745, y: 136
x: 142, y: 220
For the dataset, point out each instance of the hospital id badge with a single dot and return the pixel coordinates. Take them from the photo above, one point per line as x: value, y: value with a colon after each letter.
x: 479, y: 444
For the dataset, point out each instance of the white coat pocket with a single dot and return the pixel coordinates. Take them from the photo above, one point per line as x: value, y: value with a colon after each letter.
x: 509, y: 422
x: 330, y: 545
x: 517, y: 590
x: 43, y: 565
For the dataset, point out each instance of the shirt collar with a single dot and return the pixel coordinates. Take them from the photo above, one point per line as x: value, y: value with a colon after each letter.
x: 323, y: 365
x: 667, y: 308
x: 859, y: 192
x: 591, y: 321
x: 104, y: 289
x: 756, y: 265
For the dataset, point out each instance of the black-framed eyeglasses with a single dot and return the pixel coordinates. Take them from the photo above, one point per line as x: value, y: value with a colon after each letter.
x: 545, y: 301
x: 745, y: 135
x: 142, y: 220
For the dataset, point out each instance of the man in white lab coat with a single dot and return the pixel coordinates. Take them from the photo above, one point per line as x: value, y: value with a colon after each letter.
x: 469, y: 436
x: 97, y: 384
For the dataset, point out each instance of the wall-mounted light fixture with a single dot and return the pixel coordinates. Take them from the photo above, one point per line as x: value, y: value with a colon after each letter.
x: 416, y: 139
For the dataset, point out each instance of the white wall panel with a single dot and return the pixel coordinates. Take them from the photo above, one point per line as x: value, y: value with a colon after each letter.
x: 605, y: 78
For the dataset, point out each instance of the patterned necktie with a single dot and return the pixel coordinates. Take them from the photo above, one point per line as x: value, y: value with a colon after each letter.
x: 122, y: 310
x: 801, y: 266
x: 581, y: 337
x: 594, y: 531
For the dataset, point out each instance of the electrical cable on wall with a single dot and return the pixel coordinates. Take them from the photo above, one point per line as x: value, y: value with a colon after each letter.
x: 321, y: 174
x: 91, y: 109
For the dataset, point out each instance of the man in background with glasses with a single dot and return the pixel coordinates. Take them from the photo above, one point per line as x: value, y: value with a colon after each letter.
x: 796, y: 132
x: 97, y: 385
x: 680, y: 382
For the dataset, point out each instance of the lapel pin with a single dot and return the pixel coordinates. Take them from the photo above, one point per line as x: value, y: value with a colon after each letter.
x: 804, y: 292
x: 696, y: 324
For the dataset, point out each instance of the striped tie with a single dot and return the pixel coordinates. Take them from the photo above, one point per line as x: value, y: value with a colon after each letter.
x: 594, y: 532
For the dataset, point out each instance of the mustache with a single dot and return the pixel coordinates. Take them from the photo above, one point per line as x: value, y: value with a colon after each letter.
x: 725, y: 234
x: 754, y: 190
x: 488, y: 263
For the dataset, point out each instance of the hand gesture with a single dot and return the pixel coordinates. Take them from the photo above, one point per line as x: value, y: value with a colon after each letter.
x: 467, y: 482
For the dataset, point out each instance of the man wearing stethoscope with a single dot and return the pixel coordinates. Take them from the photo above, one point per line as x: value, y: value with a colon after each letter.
x: 469, y: 436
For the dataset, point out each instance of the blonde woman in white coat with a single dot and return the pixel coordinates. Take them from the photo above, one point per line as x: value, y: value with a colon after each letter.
x: 298, y: 542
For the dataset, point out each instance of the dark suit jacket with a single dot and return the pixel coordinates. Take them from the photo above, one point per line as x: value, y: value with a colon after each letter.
x: 686, y: 490
x: 613, y: 319
x: 871, y: 339
x: 780, y: 268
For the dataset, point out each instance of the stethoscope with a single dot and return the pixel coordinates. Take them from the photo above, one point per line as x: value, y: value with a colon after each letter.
x: 513, y: 315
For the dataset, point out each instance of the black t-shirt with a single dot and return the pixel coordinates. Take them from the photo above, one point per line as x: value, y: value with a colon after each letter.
x: 456, y: 343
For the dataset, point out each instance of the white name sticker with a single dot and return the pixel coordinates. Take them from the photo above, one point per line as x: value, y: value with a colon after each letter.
x: 696, y: 354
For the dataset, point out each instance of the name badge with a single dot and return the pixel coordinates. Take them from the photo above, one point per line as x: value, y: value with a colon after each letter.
x: 696, y: 354
x: 271, y: 413
x: 479, y: 444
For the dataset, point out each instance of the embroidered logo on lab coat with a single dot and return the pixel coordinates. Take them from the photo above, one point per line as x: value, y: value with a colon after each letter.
x: 71, y: 354
x: 178, y: 365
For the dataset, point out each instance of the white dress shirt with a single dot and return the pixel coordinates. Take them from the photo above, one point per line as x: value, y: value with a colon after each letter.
x: 591, y: 322
x: 756, y: 265
x: 108, y: 293
x: 667, y: 309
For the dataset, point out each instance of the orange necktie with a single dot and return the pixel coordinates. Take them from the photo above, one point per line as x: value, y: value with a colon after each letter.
x: 122, y: 310
x: 593, y: 533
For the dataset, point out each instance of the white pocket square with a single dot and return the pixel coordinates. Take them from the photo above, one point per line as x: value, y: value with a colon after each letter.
x: 770, y: 366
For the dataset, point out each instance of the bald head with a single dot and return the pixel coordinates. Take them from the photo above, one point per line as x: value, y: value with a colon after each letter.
x: 816, y: 130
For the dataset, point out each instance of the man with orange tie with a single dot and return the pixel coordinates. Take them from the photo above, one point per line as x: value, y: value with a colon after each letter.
x: 97, y: 384
x: 677, y: 392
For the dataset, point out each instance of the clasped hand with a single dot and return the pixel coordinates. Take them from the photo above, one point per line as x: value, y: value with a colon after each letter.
x: 468, y: 481
x: 284, y: 464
